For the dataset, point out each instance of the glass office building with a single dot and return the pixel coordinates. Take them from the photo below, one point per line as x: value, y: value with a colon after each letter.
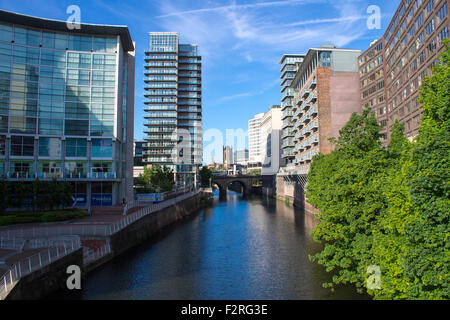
x: 173, y: 105
x: 67, y: 106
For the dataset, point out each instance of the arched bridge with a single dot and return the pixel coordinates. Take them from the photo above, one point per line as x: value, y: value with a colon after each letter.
x: 246, y: 181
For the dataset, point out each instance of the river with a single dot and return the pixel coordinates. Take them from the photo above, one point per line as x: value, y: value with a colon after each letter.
x: 239, y: 249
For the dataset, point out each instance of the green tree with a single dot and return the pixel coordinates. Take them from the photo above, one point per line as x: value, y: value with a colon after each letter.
x: 156, y: 179
x: 427, y: 262
x: 205, y: 176
x: 341, y: 186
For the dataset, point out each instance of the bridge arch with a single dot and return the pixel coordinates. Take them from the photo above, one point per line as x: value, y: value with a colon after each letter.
x: 246, y: 181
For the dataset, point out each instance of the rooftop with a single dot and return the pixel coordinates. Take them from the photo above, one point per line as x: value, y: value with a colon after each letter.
x: 57, y: 25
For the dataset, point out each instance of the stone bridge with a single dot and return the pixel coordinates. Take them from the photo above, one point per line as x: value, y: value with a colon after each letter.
x: 246, y: 181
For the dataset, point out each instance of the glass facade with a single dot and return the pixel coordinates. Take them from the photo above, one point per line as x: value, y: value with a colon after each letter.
x: 59, y: 104
x: 173, y: 106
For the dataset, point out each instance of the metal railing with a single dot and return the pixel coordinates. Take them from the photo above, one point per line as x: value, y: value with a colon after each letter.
x: 90, y: 256
x: 33, y: 263
x: 92, y: 230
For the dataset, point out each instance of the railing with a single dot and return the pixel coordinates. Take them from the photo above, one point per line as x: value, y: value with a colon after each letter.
x: 91, y: 256
x: 33, y: 263
x: 93, y: 230
x: 17, y: 243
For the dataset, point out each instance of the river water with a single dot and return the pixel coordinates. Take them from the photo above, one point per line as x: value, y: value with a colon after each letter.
x: 238, y: 249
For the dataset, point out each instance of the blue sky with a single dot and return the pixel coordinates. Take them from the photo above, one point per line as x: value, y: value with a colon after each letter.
x: 241, y: 41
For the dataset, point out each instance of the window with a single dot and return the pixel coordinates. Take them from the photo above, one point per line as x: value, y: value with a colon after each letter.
x: 50, y: 147
x: 419, y: 21
x: 430, y: 27
x: 22, y: 146
x: 325, y: 59
x: 101, y: 148
x: 49, y: 169
x: 76, y: 148
x: 442, y: 13
x: 429, y: 7
x: 443, y: 34
x: 76, y: 169
x: 21, y: 169
x: 2, y: 145
x: 77, y: 127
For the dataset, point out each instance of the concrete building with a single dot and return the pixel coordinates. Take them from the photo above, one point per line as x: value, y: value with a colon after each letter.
x: 67, y: 106
x: 138, y: 167
x: 289, y: 66
x: 326, y: 93
x: 271, y: 134
x: 271, y: 131
x: 372, y: 82
x: 241, y: 157
x: 228, y: 160
x: 255, y: 154
x: 411, y: 45
x: 173, y: 105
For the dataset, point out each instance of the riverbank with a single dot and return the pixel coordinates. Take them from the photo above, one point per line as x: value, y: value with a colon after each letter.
x: 102, y: 243
x: 241, y: 248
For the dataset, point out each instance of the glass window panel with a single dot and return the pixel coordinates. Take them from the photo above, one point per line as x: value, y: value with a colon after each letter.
x: 77, y: 110
x: 22, y: 146
x: 3, y: 124
x: 51, y: 126
x: 49, y: 169
x: 101, y: 148
x: 23, y: 125
x: 2, y: 145
x: 76, y: 148
x: 21, y: 169
x: 24, y: 108
x: 77, y: 127
x: 5, y: 32
x: 76, y: 169
x: 50, y: 147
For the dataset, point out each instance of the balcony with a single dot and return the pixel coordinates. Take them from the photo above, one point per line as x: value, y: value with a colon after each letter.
x: 306, y: 119
x: 298, y: 113
x: 102, y: 175
x: 314, y: 140
x: 306, y: 106
x: 312, y: 84
x: 305, y: 93
x: 314, y: 126
x: 313, y: 112
x: 312, y: 98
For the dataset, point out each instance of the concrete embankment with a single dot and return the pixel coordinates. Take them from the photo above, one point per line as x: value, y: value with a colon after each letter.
x: 53, y: 277
x: 149, y: 225
x: 46, y: 280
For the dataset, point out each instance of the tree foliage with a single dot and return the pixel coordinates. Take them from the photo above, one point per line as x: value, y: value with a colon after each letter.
x: 388, y: 207
x: 205, y: 176
x: 39, y: 195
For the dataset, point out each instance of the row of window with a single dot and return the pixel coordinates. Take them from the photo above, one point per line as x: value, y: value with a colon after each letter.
x: 70, y: 127
x: 59, y: 41
x: 23, y: 146
x: 20, y: 169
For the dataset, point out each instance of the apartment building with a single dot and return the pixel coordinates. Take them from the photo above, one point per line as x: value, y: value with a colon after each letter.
x: 411, y: 45
x: 228, y: 156
x: 326, y: 94
x: 67, y: 106
x: 373, y: 79
x: 173, y: 105
x: 289, y: 66
x: 241, y: 157
x: 271, y: 128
